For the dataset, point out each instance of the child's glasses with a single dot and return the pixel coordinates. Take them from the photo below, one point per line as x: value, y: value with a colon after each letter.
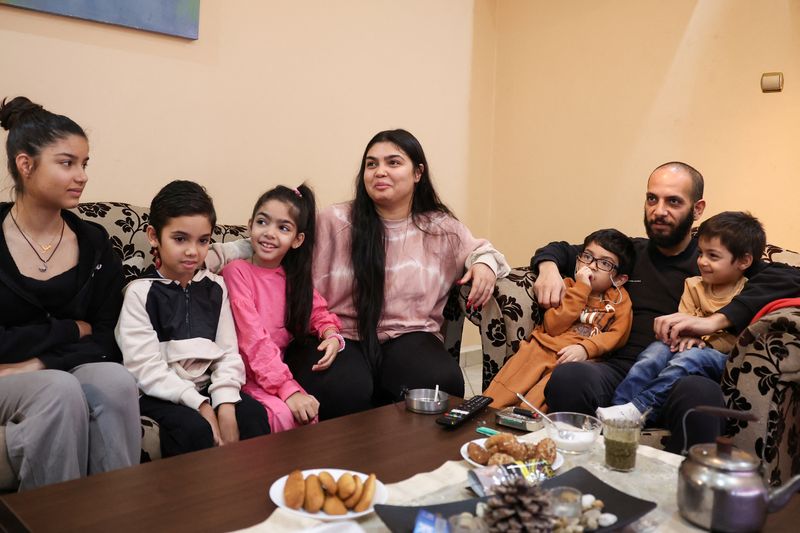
x: 602, y: 264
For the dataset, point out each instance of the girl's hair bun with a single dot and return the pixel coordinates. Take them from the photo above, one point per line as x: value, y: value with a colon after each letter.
x: 13, y: 110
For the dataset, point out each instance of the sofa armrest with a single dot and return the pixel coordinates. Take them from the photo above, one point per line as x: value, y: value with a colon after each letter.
x: 506, y: 319
x: 763, y: 376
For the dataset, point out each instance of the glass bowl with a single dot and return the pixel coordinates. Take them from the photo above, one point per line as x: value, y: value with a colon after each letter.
x: 574, y: 432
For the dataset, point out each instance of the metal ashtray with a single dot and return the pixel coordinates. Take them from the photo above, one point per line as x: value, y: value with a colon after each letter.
x: 423, y: 401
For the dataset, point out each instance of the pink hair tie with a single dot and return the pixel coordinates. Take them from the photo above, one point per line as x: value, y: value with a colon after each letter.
x: 297, y: 192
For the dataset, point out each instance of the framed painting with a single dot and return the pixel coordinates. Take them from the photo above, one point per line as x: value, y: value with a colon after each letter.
x: 180, y: 18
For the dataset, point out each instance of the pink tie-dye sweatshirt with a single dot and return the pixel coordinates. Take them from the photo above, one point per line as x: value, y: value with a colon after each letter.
x: 421, y: 268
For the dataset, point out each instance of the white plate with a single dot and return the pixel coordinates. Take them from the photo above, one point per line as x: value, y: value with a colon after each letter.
x: 555, y: 466
x: 276, y: 495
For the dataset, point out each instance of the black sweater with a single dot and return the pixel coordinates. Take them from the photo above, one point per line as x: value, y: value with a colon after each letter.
x: 28, y: 329
x: 656, y: 285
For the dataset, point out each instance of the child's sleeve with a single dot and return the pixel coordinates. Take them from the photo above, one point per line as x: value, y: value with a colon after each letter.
x: 321, y: 318
x: 141, y: 352
x: 263, y: 356
x: 227, y: 372
x: 617, y: 334
x: 559, y: 319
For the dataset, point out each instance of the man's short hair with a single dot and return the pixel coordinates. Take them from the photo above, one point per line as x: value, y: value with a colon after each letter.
x: 618, y: 244
x: 740, y: 232
x: 694, y: 174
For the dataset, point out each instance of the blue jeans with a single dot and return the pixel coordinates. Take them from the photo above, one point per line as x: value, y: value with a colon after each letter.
x: 649, y: 381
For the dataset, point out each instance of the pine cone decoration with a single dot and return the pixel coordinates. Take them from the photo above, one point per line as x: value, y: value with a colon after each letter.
x: 517, y: 506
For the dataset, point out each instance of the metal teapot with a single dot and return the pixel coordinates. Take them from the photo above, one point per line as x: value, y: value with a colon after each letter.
x: 720, y: 487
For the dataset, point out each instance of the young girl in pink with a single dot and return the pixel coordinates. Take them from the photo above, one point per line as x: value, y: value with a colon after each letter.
x: 274, y: 302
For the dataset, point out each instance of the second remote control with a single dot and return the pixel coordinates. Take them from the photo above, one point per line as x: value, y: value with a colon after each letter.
x: 463, y: 412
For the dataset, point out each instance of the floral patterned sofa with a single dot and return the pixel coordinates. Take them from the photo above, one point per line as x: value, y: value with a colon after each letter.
x: 762, y: 374
x: 126, y: 225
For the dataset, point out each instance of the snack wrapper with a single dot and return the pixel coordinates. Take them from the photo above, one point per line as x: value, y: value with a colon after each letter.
x: 483, y: 480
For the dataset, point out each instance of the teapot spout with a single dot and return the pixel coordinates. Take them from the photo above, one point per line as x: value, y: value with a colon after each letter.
x: 781, y: 496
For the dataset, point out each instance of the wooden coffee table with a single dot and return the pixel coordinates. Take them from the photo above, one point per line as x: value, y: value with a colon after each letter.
x: 226, y: 488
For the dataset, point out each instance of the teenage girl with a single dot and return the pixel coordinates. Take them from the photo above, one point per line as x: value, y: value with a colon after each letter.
x: 273, y: 301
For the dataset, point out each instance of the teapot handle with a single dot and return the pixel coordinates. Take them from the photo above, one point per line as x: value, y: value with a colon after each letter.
x: 716, y: 411
x: 780, y: 496
x: 726, y: 413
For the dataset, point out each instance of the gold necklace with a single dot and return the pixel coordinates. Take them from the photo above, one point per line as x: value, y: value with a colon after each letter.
x: 43, y: 266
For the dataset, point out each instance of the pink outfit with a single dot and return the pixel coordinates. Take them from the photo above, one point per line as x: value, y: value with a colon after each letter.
x: 258, y: 302
x: 421, y: 268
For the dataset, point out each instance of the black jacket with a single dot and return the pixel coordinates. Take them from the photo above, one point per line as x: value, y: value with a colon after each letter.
x: 29, y: 330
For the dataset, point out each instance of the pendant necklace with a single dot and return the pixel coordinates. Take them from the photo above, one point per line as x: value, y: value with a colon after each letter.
x: 43, y: 266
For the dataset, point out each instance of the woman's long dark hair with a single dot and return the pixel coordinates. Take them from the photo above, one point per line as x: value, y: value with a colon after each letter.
x: 368, y: 252
x: 297, y: 261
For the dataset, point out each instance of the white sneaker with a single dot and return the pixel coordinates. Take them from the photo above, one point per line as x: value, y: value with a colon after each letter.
x: 626, y: 411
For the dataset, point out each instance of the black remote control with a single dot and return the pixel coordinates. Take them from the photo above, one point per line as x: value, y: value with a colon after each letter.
x: 463, y: 412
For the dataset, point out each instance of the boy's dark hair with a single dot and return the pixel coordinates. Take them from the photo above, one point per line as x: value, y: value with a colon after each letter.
x: 618, y: 244
x: 180, y: 198
x: 738, y: 231
x: 297, y: 261
x: 31, y: 128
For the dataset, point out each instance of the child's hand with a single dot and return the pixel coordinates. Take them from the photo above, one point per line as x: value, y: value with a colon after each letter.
x: 684, y: 343
x: 584, y: 275
x: 572, y: 353
x: 228, y: 428
x: 331, y: 348
x: 207, y: 412
x: 304, y: 407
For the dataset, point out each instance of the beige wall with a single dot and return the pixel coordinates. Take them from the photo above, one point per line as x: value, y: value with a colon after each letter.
x: 590, y: 96
x: 272, y: 92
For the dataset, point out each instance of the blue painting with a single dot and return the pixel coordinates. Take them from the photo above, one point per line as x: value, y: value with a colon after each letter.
x: 172, y: 17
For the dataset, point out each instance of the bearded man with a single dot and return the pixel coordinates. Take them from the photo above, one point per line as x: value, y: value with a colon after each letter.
x: 674, y: 201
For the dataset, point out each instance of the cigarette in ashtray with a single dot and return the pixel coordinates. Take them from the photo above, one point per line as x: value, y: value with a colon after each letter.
x: 436, y: 393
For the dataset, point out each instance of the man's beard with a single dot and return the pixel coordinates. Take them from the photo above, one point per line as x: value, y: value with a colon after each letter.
x: 674, y: 237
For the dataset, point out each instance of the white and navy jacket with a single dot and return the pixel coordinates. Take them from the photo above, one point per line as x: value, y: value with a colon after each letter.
x: 176, y: 340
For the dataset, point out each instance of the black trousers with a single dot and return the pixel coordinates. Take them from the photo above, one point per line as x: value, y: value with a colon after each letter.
x: 183, y: 429
x: 353, y: 383
x: 584, y: 386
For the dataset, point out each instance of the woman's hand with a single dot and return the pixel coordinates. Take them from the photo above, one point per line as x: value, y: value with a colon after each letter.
x: 31, y: 365
x: 483, y: 279
x: 330, y: 347
x: 228, y: 428
x: 549, y: 286
x: 304, y: 407
x: 207, y: 412
x: 571, y: 354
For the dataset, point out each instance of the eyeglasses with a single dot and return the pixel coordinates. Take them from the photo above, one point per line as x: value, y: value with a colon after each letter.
x: 602, y: 264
